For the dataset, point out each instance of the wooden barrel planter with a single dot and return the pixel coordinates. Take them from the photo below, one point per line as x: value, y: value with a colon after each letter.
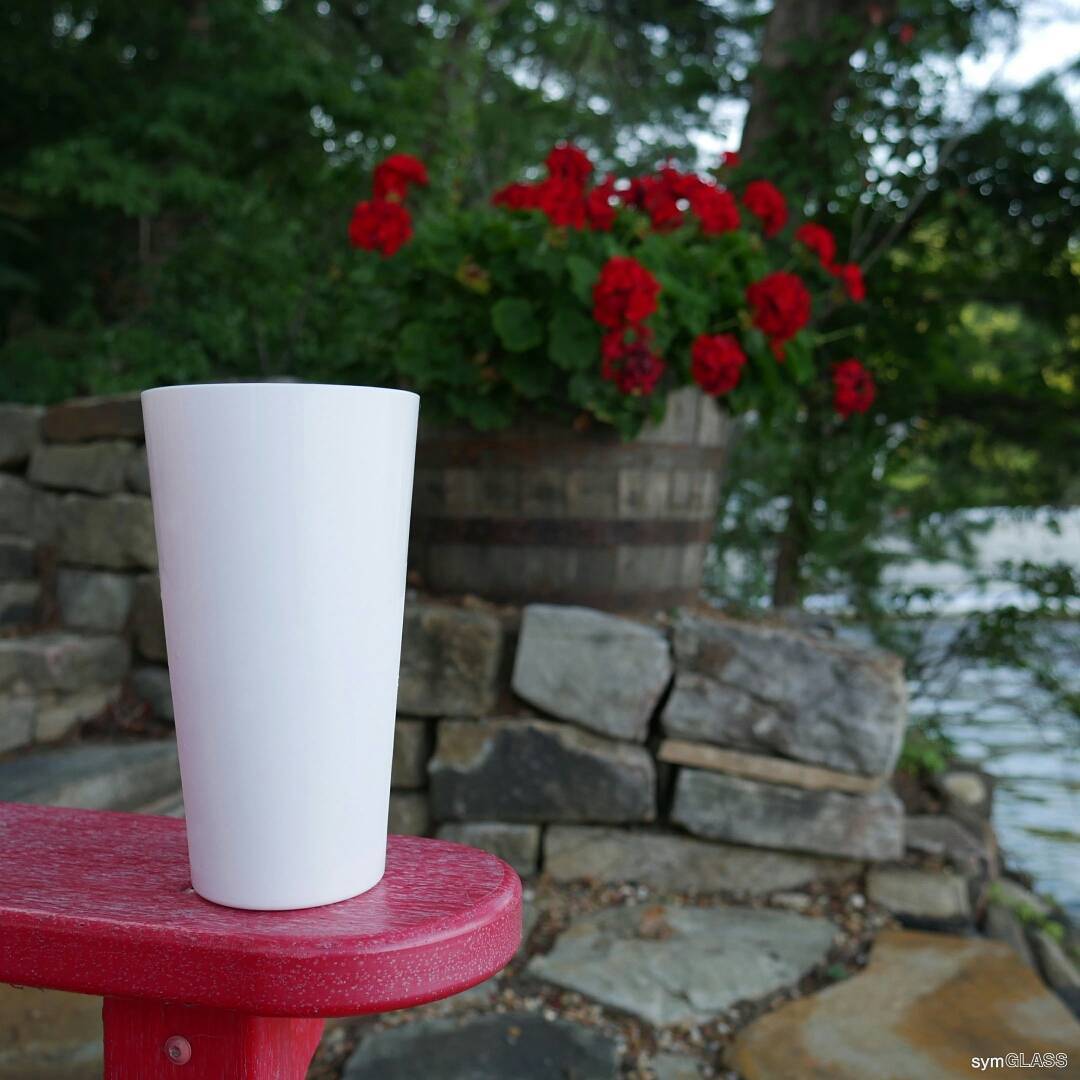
x: 543, y: 513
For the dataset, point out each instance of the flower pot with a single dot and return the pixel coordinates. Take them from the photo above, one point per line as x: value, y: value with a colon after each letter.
x: 282, y: 520
x: 541, y: 512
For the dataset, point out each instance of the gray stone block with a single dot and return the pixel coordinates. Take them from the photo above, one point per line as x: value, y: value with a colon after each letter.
x: 137, y: 474
x: 535, y: 770
x: 20, y: 430
x: 20, y: 602
x: 449, y: 661
x: 147, y: 624
x: 16, y: 506
x: 99, y: 468
x: 93, y: 599
x: 507, y: 1046
x: 603, y: 672
x: 93, y: 776
x: 518, y: 845
x: 741, y: 811
x: 16, y: 721
x: 151, y: 683
x: 671, y: 861
x: 768, y: 687
x: 58, y: 714
x: 409, y: 813
x: 115, y: 533
x: 670, y: 964
x: 411, y: 752
x: 61, y: 661
x: 18, y: 559
x: 924, y: 897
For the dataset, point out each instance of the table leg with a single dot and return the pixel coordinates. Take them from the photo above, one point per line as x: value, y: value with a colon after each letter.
x: 151, y: 1040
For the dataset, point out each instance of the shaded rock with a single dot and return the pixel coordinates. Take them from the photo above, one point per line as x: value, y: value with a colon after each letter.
x: 49, y: 1035
x: 767, y: 687
x: 1019, y: 899
x: 409, y: 814
x: 20, y: 429
x: 99, y: 467
x: 741, y: 811
x: 151, y: 683
x: 967, y: 793
x: 1057, y: 967
x: 147, y: 623
x: 597, y: 670
x: 93, y: 776
x: 94, y: 599
x: 17, y: 499
x: 1003, y: 925
x: 17, y: 712
x: 20, y: 602
x: 671, y: 861
x: 935, y: 834
x: 920, y: 896
x: 449, y: 661
x: 773, y: 770
x: 118, y: 416
x: 924, y: 1007
x: 518, y: 845
x: 137, y: 473
x: 522, y: 1046
x: 411, y: 745
x: 535, y: 770
x: 61, y: 661
x: 670, y: 964
x: 116, y: 533
x: 18, y: 559
x: 58, y: 714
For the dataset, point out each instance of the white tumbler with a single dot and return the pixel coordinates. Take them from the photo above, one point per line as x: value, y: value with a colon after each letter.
x: 282, y: 520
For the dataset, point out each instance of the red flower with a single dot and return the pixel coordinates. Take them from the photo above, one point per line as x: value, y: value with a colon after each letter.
x: 766, y: 203
x: 567, y: 162
x: 659, y: 197
x: 624, y: 294
x: 518, y: 196
x: 716, y: 363
x: 781, y: 306
x: 906, y: 34
x: 819, y: 240
x: 732, y: 159
x: 394, y: 176
x: 715, y: 208
x: 563, y: 201
x: 850, y: 275
x: 380, y: 225
x: 853, y: 388
x: 630, y: 363
x: 598, y: 207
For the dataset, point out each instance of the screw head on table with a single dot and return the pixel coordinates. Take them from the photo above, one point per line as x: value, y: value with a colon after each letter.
x: 178, y: 1049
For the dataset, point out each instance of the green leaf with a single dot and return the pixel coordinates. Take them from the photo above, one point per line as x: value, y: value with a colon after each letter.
x: 583, y: 275
x: 573, y: 340
x: 515, y: 321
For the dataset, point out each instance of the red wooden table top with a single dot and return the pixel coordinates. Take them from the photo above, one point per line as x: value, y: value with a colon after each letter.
x: 101, y: 903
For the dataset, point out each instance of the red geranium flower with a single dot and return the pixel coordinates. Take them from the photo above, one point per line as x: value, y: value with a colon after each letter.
x: 766, y: 203
x: 659, y: 198
x: 396, y: 174
x: 563, y: 201
x: 819, y: 240
x: 732, y: 159
x: 853, y: 388
x: 781, y: 306
x: 627, y: 360
x: 715, y: 208
x: 518, y: 196
x: 568, y: 162
x: 598, y: 207
x: 380, y: 225
x: 624, y: 294
x: 716, y: 363
x: 850, y: 275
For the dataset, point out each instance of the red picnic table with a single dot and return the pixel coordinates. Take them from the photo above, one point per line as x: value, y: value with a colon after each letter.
x: 101, y: 903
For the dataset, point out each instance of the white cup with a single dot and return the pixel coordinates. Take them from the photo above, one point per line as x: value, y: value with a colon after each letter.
x: 282, y: 520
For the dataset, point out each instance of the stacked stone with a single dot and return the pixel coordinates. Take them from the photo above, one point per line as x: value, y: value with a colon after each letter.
x: 73, y: 498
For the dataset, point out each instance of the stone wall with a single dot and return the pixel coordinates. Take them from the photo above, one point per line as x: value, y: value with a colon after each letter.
x: 559, y: 736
